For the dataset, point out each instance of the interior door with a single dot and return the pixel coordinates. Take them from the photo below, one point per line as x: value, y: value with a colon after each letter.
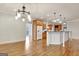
x: 39, y: 32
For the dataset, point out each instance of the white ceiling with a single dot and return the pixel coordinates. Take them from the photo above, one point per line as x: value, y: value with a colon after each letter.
x: 70, y: 11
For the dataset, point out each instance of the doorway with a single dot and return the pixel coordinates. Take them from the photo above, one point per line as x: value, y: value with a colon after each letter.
x: 39, y: 37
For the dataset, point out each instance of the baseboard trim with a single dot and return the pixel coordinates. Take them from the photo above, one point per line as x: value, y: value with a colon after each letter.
x: 7, y: 42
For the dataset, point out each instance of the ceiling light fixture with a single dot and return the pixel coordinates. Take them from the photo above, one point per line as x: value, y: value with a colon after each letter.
x: 58, y: 19
x: 23, y: 14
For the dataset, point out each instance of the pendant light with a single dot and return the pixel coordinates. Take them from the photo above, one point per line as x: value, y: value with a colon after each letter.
x: 23, y: 14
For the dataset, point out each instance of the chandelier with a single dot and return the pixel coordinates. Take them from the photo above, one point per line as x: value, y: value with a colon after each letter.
x: 59, y: 19
x: 22, y: 14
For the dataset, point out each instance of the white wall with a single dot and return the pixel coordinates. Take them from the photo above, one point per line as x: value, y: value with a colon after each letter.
x: 11, y: 30
x: 74, y: 27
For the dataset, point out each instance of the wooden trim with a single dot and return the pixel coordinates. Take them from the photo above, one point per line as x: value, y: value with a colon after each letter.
x: 44, y: 36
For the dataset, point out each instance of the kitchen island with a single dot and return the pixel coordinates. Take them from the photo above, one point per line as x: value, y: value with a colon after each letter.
x: 57, y: 38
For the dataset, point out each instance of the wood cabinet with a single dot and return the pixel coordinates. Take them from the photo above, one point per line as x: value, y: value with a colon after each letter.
x: 50, y: 26
x: 58, y: 27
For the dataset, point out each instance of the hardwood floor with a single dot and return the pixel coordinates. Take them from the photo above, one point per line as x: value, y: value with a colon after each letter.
x: 13, y: 48
x: 35, y: 49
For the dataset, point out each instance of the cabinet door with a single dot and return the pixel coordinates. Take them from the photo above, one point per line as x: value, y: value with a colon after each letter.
x: 52, y: 38
x: 57, y: 38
